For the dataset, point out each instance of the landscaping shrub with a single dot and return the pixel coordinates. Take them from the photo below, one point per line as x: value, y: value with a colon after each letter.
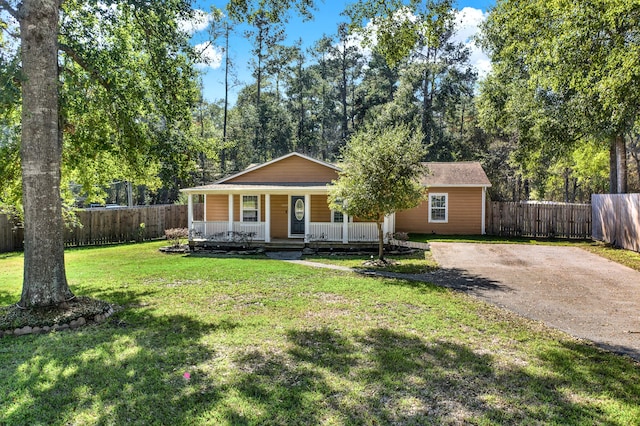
x: 176, y: 235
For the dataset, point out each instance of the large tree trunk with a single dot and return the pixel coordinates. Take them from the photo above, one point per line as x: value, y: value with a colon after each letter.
x: 621, y: 164
x: 613, y: 169
x: 45, y: 281
x: 226, y: 100
x: 380, y: 240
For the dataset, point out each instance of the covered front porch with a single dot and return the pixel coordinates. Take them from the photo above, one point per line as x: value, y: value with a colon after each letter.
x: 249, y: 214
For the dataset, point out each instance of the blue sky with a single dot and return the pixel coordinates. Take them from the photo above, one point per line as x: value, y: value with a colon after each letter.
x: 325, y: 21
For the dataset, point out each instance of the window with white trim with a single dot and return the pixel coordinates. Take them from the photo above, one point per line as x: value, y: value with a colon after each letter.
x: 250, y: 208
x: 438, y: 208
x: 338, y: 217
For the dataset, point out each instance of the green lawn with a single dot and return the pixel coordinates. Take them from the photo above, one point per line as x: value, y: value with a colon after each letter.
x: 269, y: 342
x: 417, y: 262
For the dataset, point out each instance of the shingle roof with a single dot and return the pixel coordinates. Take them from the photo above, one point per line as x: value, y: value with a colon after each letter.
x: 463, y: 173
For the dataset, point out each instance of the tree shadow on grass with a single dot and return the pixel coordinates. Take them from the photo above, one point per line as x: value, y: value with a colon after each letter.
x: 386, y: 377
x: 8, y: 298
x: 134, y: 374
x: 453, y: 278
x: 115, y: 373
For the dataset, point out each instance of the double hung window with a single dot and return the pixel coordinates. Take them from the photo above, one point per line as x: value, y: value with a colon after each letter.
x: 438, y: 208
x: 250, y: 208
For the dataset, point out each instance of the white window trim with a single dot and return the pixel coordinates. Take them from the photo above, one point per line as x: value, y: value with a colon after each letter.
x: 340, y: 221
x: 242, y: 209
x: 446, y: 207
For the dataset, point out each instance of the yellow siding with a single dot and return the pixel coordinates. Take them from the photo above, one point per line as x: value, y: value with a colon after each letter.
x: 464, y: 210
x: 320, y: 211
x: 236, y: 208
x: 291, y: 169
x: 217, y: 207
x: 279, y: 216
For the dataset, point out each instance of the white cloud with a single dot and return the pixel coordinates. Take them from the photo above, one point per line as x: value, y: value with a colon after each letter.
x: 468, y: 21
x: 198, y: 22
x: 8, y: 41
x: 210, y: 55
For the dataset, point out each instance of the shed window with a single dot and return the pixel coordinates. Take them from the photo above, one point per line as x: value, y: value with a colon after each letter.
x: 438, y: 208
x: 250, y: 208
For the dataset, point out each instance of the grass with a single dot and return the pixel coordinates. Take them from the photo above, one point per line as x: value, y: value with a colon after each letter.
x: 269, y: 342
x: 417, y: 262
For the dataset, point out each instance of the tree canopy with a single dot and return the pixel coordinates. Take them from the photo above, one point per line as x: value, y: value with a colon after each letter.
x: 574, y: 69
x: 105, y: 86
x: 381, y: 170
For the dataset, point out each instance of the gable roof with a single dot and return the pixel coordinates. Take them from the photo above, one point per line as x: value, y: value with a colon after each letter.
x: 275, y: 160
x: 463, y: 173
x: 460, y: 174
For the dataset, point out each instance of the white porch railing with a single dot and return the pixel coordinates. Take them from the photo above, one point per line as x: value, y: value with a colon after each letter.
x: 255, y: 229
x: 220, y: 230
x: 318, y: 231
x: 209, y: 230
x: 324, y: 231
x: 358, y: 231
x: 363, y: 231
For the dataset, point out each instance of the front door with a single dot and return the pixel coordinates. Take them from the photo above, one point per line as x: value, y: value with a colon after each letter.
x: 297, y: 216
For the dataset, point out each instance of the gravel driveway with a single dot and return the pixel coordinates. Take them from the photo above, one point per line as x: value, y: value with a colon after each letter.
x: 567, y: 288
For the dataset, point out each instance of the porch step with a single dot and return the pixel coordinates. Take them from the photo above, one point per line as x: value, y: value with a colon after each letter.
x: 283, y: 246
x: 284, y: 255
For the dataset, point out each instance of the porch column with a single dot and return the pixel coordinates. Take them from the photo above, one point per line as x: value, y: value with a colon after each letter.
x: 484, y: 210
x: 230, y: 224
x: 345, y: 228
x: 307, y: 215
x: 267, y: 218
x: 189, y: 213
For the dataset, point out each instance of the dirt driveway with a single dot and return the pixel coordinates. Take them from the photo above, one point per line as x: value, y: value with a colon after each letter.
x: 565, y: 287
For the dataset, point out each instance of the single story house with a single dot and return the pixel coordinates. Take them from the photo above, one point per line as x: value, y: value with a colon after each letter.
x: 286, y: 199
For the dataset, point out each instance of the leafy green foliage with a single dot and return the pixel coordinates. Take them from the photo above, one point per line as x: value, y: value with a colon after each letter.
x: 381, y: 172
x: 128, y: 97
x: 380, y: 175
x: 126, y: 93
x: 566, y: 71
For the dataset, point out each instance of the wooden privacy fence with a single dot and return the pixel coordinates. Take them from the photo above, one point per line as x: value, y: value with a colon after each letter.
x: 539, y: 220
x: 109, y: 226
x: 616, y: 219
x: 10, y: 235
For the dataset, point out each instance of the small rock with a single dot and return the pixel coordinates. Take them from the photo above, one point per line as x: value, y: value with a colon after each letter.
x: 36, y: 330
x: 98, y: 318
x: 22, y: 331
x: 81, y: 321
x: 63, y: 327
x: 73, y: 324
x: 46, y: 329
